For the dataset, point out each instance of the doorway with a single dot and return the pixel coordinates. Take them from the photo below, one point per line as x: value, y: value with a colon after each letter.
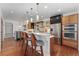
x: 8, y: 36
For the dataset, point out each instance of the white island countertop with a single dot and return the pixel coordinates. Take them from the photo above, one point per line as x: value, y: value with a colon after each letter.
x: 42, y: 33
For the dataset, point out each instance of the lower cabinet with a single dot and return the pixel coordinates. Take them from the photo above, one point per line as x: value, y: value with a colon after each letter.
x: 70, y: 43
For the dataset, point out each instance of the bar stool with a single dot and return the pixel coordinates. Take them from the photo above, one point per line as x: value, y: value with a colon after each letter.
x: 22, y: 38
x: 25, y: 41
x: 37, y: 43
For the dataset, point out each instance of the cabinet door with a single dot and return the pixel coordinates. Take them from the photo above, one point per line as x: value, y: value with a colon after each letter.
x: 65, y: 20
x: 73, y: 19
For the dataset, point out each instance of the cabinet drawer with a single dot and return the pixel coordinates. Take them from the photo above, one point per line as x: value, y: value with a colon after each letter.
x: 70, y: 43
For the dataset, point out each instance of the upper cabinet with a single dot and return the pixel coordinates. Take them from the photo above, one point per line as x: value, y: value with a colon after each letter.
x: 71, y: 19
x: 65, y: 20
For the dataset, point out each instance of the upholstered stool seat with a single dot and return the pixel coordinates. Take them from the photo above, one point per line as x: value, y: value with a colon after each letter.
x: 39, y: 43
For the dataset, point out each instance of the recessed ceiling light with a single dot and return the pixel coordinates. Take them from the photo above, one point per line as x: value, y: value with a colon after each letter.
x: 59, y: 10
x: 11, y: 11
x: 45, y: 6
x: 20, y: 26
x: 41, y: 16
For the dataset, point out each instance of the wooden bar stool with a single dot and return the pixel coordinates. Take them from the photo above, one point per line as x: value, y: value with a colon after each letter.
x: 22, y: 38
x: 26, y: 42
x: 26, y: 39
x: 37, y: 43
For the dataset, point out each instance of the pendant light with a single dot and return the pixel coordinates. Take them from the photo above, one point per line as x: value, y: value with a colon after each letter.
x: 27, y: 17
x: 31, y: 15
x: 37, y: 16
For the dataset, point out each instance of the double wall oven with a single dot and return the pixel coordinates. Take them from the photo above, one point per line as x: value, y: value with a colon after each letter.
x: 70, y: 31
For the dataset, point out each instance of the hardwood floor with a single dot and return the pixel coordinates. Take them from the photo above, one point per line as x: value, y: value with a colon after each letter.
x: 12, y: 47
x: 57, y: 50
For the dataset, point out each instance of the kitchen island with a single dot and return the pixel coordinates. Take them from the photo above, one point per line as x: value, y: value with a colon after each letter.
x: 45, y: 37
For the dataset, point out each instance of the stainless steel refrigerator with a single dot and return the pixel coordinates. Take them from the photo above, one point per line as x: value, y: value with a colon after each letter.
x: 56, y: 31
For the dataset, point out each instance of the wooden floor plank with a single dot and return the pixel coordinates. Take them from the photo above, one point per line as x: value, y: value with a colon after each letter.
x: 57, y: 50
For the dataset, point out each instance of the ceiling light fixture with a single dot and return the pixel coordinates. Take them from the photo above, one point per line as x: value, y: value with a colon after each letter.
x: 20, y: 26
x: 27, y: 21
x: 31, y: 19
x: 59, y: 10
x: 31, y: 15
x: 37, y: 16
x: 45, y: 6
x: 11, y: 11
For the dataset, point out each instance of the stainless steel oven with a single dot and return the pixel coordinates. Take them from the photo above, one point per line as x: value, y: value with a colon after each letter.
x: 70, y: 27
x: 70, y: 35
x: 70, y: 31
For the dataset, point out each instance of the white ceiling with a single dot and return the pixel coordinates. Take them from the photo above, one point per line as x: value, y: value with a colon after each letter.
x: 20, y: 9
